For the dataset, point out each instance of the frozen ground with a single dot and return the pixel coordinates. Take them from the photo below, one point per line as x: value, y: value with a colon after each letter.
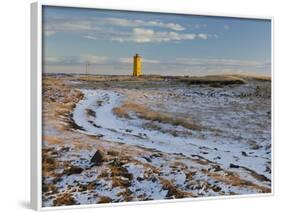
x: 207, y: 141
x: 232, y: 124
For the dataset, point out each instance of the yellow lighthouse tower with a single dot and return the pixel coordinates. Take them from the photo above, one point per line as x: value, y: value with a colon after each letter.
x: 137, y: 65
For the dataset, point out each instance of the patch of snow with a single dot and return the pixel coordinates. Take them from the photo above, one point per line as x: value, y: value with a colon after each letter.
x: 224, y: 148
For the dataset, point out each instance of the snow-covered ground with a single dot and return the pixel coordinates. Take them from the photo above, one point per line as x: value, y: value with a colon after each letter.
x: 223, y: 148
x: 231, y: 125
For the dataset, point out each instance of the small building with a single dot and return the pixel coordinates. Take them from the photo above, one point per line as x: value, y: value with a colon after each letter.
x: 137, y: 65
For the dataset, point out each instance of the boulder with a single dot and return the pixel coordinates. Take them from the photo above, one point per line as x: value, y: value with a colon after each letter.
x: 233, y: 166
x: 98, y: 158
x: 73, y: 170
x: 244, y: 153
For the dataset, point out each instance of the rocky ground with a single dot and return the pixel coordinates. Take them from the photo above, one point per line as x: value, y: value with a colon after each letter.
x: 120, y: 139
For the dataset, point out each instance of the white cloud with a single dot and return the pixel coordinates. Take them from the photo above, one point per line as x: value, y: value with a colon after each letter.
x: 202, y: 35
x: 62, y: 25
x: 75, y: 60
x: 142, y: 35
x: 124, y: 30
x: 140, y: 23
x: 90, y: 37
x: 58, y: 24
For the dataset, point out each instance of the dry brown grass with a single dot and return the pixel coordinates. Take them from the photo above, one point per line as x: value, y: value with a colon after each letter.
x: 235, y: 180
x: 120, y: 176
x: 104, y: 199
x: 253, y: 77
x: 214, y: 80
x: 113, y: 153
x: 126, y: 194
x: 179, y: 165
x: 223, y: 78
x: 49, y: 164
x: 49, y: 161
x: 121, y: 78
x: 64, y: 199
x: 52, y: 140
x: 49, y: 189
x: 173, y: 191
x: 59, y: 101
x: 147, y: 114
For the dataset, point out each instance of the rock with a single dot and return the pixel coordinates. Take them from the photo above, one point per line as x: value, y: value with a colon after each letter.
x: 82, y: 188
x: 91, y: 112
x: 268, y: 169
x: 97, y: 126
x: 254, y: 145
x: 244, y: 153
x: 73, y: 170
x: 147, y: 159
x: 216, y: 188
x: 65, y: 149
x: 156, y: 155
x: 217, y: 168
x: 233, y: 166
x: 57, y: 179
x: 140, y: 179
x: 153, y: 179
x: 98, y: 158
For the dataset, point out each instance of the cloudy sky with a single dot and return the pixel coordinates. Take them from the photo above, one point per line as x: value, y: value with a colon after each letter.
x: 169, y: 44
